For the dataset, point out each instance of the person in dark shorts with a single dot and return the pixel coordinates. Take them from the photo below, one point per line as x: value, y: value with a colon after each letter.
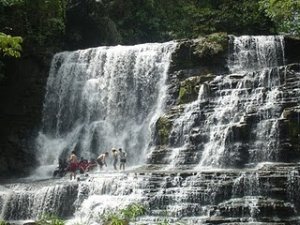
x: 115, y: 158
x: 122, y: 159
x: 101, y: 160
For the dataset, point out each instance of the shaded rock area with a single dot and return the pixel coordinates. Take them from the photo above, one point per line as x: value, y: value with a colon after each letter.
x: 292, y: 46
x: 21, y: 104
x: 88, y: 25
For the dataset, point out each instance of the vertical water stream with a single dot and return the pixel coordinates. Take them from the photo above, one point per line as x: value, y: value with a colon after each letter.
x: 102, y: 98
x: 112, y: 96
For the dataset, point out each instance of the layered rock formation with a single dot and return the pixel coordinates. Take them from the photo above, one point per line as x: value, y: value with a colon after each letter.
x: 265, y: 195
x: 239, y: 112
x: 225, y: 151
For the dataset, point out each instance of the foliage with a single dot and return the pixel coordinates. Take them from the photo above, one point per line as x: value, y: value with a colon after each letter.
x: 39, y: 22
x: 212, y: 44
x: 10, y: 46
x: 131, y: 212
x: 114, y: 219
x: 50, y: 219
x: 188, y: 90
x: 2, y: 222
x: 164, y: 222
x: 43, y: 23
x: 11, y: 2
x: 286, y: 14
x: 155, y: 20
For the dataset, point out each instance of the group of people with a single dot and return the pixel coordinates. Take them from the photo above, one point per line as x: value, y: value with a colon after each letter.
x: 73, y: 164
x: 117, y: 155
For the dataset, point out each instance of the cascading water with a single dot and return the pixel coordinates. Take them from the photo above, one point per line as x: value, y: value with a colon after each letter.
x: 102, y: 98
x: 251, y: 53
x: 112, y: 97
x: 252, y: 90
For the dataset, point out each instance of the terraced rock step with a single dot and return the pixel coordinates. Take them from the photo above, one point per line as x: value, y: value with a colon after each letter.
x: 267, y: 195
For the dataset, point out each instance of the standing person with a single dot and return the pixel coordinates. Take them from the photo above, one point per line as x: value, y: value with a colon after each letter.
x: 115, y: 157
x: 122, y: 158
x: 73, y: 164
x: 101, y: 160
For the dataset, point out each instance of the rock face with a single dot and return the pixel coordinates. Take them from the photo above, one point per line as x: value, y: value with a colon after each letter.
x: 267, y: 195
x: 233, y: 116
x: 21, y: 101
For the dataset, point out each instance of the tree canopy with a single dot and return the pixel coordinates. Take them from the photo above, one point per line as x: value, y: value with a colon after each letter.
x: 285, y: 14
x: 60, y: 24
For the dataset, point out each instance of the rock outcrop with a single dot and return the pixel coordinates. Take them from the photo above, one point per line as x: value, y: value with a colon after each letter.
x: 206, y: 98
x: 21, y: 104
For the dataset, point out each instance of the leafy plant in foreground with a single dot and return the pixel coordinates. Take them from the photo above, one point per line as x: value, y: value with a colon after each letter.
x: 2, y: 222
x: 10, y: 46
x: 50, y: 219
x: 131, y: 212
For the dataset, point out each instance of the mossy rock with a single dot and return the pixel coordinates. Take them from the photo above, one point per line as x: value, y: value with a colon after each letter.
x: 189, y: 88
x: 163, y: 128
x: 208, y: 53
x: 211, y: 45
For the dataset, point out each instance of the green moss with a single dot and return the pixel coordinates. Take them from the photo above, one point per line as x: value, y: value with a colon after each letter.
x: 2, y: 222
x: 163, y: 127
x: 188, y: 90
x: 211, y: 45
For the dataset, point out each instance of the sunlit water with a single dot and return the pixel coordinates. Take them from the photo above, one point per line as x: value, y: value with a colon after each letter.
x: 112, y: 96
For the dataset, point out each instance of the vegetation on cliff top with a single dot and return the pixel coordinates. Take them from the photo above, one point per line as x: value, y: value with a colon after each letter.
x: 51, y: 26
x: 46, y: 24
x: 285, y: 14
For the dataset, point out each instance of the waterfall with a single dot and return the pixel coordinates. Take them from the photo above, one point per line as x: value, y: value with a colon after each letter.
x: 181, y: 129
x: 108, y: 97
x: 250, y: 53
x: 101, y: 98
x: 252, y: 89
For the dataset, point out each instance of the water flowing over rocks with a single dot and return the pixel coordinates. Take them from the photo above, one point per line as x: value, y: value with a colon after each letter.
x: 265, y: 195
x: 220, y: 133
